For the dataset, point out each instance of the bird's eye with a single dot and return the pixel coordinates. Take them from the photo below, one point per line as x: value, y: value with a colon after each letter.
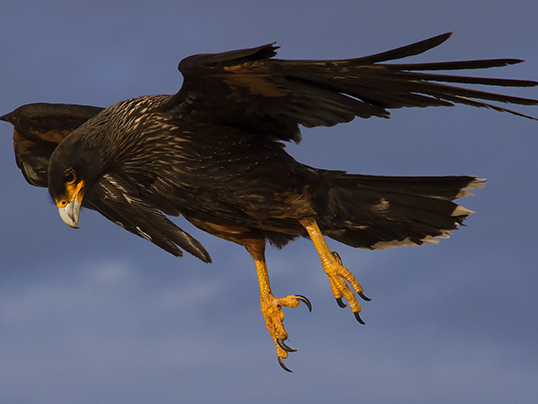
x: 69, y: 176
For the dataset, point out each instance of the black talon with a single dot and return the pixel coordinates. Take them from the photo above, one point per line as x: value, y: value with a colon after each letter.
x: 358, y: 317
x: 303, y: 299
x: 340, y: 302
x: 362, y: 295
x: 282, y: 345
x: 281, y: 363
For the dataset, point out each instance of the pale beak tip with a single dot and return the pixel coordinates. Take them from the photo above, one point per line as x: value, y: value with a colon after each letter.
x: 70, y: 213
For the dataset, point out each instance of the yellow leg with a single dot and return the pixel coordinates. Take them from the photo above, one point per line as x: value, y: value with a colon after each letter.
x: 271, y: 307
x: 343, y: 283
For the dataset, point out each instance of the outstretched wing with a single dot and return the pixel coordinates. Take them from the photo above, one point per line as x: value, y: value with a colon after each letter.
x: 118, y: 201
x: 40, y: 128
x: 250, y: 89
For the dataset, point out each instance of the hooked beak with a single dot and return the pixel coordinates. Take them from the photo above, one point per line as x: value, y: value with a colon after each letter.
x: 69, y: 204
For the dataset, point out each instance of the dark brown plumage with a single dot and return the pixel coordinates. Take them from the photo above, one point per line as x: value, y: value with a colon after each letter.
x: 213, y: 153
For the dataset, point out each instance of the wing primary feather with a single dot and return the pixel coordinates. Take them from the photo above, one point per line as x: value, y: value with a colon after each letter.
x: 405, y: 51
x: 457, y: 65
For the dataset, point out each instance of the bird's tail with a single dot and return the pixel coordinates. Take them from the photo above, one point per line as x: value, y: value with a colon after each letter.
x: 377, y: 212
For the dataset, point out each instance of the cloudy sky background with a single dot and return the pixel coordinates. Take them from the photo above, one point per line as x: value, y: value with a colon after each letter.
x: 98, y: 315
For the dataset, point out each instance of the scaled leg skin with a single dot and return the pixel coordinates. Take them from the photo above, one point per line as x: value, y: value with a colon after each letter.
x: 271, y: 306
x: 343, y: 282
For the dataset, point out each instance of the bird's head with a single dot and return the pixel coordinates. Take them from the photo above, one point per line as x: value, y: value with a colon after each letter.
x: 110, y: 142
x: 74, y: 168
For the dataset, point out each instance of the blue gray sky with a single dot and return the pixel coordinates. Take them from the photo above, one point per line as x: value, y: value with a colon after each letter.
x: 98, y: 315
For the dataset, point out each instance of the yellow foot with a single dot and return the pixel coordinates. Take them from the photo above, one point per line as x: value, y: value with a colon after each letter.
x: 271, y: 308
x: 270, y: 305
x: 338, y: 276
x: 343, y: 282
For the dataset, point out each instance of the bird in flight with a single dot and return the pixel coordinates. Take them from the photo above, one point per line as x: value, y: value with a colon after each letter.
x: 214, y: 154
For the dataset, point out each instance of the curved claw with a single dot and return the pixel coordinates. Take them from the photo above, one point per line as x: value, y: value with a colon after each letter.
x: 341, y: 303
x: 282, y: 365
x: 283, y: 345
x: 303, y: 299
x: 363, y: 296
x: 358, y: 317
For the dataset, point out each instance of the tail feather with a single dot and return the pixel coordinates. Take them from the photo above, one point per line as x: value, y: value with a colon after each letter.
x: 378, y: 212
